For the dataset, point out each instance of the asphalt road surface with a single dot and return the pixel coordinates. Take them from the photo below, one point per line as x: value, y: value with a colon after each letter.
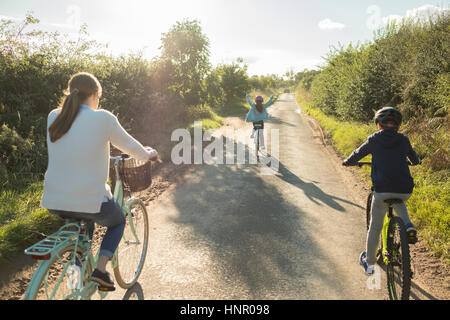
x: 240, y: 232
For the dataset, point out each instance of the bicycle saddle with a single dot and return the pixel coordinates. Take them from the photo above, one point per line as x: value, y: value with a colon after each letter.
x: 393, y: 201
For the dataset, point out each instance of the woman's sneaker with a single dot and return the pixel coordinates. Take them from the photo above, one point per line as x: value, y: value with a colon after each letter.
x: 103, y: 279
x: 368, y: 269
x: 412, y: 233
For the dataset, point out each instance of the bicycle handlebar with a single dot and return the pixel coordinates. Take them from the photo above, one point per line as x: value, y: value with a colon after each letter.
x: 125, y: 156
x: 365, y: 163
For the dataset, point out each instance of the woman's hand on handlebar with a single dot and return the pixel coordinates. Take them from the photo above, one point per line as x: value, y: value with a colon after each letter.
x: 153, y: 154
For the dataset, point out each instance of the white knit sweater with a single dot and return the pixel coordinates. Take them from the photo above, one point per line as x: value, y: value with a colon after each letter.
x: 78, y: 163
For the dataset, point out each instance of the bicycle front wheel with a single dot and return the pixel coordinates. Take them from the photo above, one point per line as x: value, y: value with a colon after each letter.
x: 132, y: 249
x: 59, y: 278
x: 399, y: 267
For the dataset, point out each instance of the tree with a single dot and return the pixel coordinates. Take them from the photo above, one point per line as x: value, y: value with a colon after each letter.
x: 233, y: 80
x: 187, y: 49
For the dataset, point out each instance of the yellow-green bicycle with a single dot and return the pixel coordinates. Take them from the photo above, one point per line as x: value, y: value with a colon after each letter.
x: 394, y: 249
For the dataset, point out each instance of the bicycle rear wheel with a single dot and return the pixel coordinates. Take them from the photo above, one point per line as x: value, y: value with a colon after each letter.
x: 55, y: 279
x: 399, y: 267
x: 132, y: 249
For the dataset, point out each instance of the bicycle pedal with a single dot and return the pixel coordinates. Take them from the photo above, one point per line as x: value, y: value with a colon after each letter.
x: 106, y: 289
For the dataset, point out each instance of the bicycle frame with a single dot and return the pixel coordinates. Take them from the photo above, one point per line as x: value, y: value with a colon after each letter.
x: 79, y: 239
x: 384, y: 235
x: 46, y: 249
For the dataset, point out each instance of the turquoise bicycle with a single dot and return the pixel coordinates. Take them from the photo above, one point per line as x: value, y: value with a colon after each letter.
x: 66, y: 258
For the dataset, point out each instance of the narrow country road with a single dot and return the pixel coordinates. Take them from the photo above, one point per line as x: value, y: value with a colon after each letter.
x: 233, y: 232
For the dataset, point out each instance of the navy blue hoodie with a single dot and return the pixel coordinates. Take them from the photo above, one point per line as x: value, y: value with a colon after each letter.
x: 391, y: 152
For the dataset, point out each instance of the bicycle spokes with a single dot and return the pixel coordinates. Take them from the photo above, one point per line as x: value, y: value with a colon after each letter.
x: 398, y: 267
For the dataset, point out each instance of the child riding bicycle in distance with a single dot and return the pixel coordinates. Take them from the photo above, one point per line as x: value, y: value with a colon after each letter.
x: 257, y: 115
x: 391, y: 152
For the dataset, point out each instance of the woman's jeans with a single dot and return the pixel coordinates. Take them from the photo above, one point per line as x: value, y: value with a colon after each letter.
x: 378, y: 210
x: 110, y: 216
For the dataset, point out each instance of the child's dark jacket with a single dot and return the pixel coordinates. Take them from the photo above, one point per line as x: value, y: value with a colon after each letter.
x: 391, y: 152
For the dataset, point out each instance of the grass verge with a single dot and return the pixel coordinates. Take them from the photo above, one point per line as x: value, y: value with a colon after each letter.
x: 22, y: 221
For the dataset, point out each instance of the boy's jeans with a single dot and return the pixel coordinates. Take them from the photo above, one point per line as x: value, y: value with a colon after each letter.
x: 110, y: 216
x: 379, y: 209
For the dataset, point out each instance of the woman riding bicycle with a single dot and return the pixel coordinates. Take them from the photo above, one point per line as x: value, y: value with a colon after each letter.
x: 78, y: 140
x: 257, y: 115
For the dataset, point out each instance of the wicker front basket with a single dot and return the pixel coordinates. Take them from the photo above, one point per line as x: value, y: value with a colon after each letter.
x: 135, y: 177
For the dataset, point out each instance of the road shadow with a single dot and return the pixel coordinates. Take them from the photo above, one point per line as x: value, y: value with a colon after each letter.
x: 275, y: 120
x: 257, y: 237
x: 416, y: 291
x: 311, y: 190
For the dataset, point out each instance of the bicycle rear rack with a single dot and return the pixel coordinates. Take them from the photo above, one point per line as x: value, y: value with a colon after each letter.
x: 44, y: 248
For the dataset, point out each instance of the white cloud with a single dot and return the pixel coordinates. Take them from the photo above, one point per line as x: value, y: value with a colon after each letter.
x: 9, y: 18
x: 425, y: 11
x: 63, y: 26
x: 328, y: 24
x: 421, y: 13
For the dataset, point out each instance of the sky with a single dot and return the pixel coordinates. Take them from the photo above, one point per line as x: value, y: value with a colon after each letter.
x: 272, y: 36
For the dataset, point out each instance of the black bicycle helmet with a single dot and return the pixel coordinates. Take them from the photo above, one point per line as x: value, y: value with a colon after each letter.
x: 388, y: 115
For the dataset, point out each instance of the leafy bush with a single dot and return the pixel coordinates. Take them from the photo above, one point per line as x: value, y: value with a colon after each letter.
x: 233, y: 80
x: 305, y: 78
x: 21, y: 159
x: 195, y: 113
x: 187, y: 49
x: 430, y: 209
x: 405, y: 66
x: 215, y: 95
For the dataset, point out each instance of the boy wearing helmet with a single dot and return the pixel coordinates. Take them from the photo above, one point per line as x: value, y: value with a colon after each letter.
x: 257, y: 115
x: 391, y: 178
